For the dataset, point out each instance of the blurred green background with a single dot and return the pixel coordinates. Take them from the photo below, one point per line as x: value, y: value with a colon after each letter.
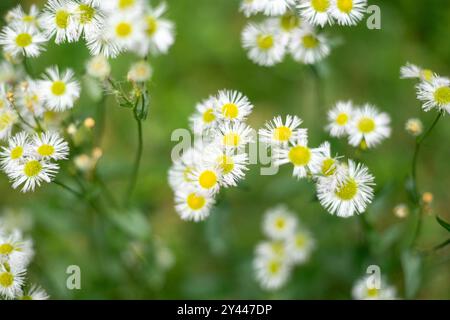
x: 124, y: 258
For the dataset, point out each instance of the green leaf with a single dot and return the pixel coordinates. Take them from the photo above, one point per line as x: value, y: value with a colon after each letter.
x: 412, y: 272
x: 443, y: 223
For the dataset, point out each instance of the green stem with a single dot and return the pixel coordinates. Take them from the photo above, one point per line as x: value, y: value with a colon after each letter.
x: 137, y: 162
x: 318, y: 86
x: 101, y: 119
x: 69, y: 189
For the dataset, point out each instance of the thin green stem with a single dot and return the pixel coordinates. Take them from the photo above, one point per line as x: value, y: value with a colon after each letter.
x: 69, y: 189
x: 318, y: 86
x: 137, y: 162
x: 22, y: 118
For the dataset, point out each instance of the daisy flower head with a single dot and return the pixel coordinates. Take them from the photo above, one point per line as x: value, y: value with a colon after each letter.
x: 15, y: 250
x: 34, y: 293
x: 98, y: 67
x: 350, y: 196
x: 181, y: 170
x: 251, y: 7
x: 232, y: 106
x: 88, y: 17
x: 411, y: 71
x: 299, y: 246
x: 127, y: 30
x: 271, y: 272
x: 304, y: 159
x: 32, y: 172
x: 272, y: 249
x: 279, y: 132
x: 308, y: 47
x: 204, y: 119
x: 8, y: 118
x: 363, y: 289
x: 23, y: 40
x: 265, y: 44
x: 11, y: 280
x: 234, y: 135
x: 348, y: 12
x: 279, y: 223
x: 15, y: 153
x: 435, y: 94
x: 103, y: 43
x: 329, y: 165
x: 140, y: 71
x: 368, y: 127
x: 339, y: 119
x: 60, y: 90
x: 276, y: 7
x: 29, y: 97
x: 58, y: 20
x: 19, y: 16
x: 159, y: 32
x: 414, y: 127
x: 289, y: 22
x: 207, y: 177
x: 316, y: 12
x: 193, y: 204
x: 50, y: 145
x: 122, y: 6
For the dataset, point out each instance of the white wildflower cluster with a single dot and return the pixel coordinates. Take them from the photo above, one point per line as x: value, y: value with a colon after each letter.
x: 343, y: 188
x: 433, y: 90
x: 290, y: 27
x: 289, y: 244
x: 108, y: 27
x: 218, y: 159
x: 365, y: 289
x: 364, y: 126
x: 16, y: 253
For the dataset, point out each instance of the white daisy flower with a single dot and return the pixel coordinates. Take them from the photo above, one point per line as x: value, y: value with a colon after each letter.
x: 235, y: 135
x: 98, y: 67
x: 31, y: 173
x: 11, y: 281
x: 279, y: 132
x: 365, y: 290
x: 8, y: 118
x: 140, y: 72
x: 34, y: 293
x: 272, y: 249
x: 60, y: 91
x: 50, y: 145
x: 276, y: 7
x: 29, y: 97
x: 159, y: 32
x: 14, y: 154
x: 289, y: 22
x: 207, y: 177
x: 279, y: 223
x: 127, y: 30
x: 435, y: 94
x: 265, y: 45
x: 339, y: 119
x: 232, y: 165
x: 328, y: 164
x: 9, y: 74
x: 181, y: 170
x: 88, y: 17
x: 368, y: 127
x: 271, y: 272
x: 232, y: 106
x: 58, y: 20
x: 251, y: 7
x: 193, y: 204
x: 299, y: 246
x: 19, y: 16
x: 101, y: 43
x: 204, y: 119
x: 22, y: 40
x: 411, y: 71
x: 304, y: 159
x: 414, y: 127
x: 122, y: 6
x: 307, y: 46
x: 348, y: 12
x: 348, y: 197
x: 316, y: 12
x: 14, y: 248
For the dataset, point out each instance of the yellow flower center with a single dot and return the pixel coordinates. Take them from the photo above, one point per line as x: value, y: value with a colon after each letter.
x: 124, y: 29
x: 32, y: 168
x: 280, y: 223
x: 345, y: 6
x: 230, y: 111
x: 124, y: 4
x: 231, y: 139
x: 278, y: 248
x: 195, y: 202
x: 372, y: 293
x: 6, y: 248
x: 46, y: 150
x: 58, y: 88
x: 274, y: 266
x: 24, y: 40
x: 62, y: 19
x: 265, y: 42
x: 320, y: 5
x: 328, y: 167
x: 300, y: 241
x: 5, y: 120
x: 6, y: 279
x: 226, y: 164
x: 207, y: 179
x: 310, y: 41
x: 152, y: 25
x: 282, y: 133
x: 348, y: 190
x: 300, y: 156
x: 427, y: 74
x: 289, y: 21
x: 28, y: 19
x: 87, y: 13
x: 442, y: 95
x: 209, y: 116
x: 366, y: 125
x: 16, y: 153
x: 342, y: 119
